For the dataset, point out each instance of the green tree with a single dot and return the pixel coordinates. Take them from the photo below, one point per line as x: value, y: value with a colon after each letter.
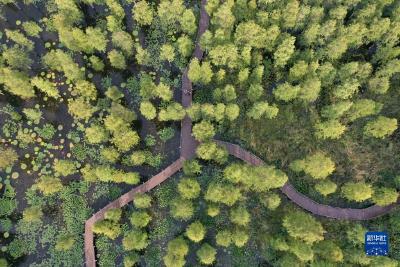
x: 140, y: 219
x: 303, y: 226
x: 114, y: 93
x: 200, y: 73
x: 206, y: 254
x: 203, y: 131
x: 142, y: 13
x: 117, y: 59
x: 17, y: 83
x: 363, y: 108
x: 188, y: 22
x: 232, y: 111
x: 239, y: 237
x: 270, y: 200
x: 284, y: 51
x: 138, y: 157
x: 251, y: 34
x: 33, y: 114
x: 329, y: 251
x: 318, y: 165
x: 49, y: 185
x: 135, y: 240
x: 191, y: 167
x: 173, y: 111
x: 185, y: 45
x: 148, y: 110
x: 380, y: 127
x: 331, y: 129
x: 336, y: 110
x: 31, y: 28
x: 167, y: 52
x: 211, y: 151
x: 64, y: 167
x: 240, y: 216
x: 286, y: 92
x: 189, y: 188
x: 124, y: 41
x: 109, y: 154
x: 113, y: 214
x: 96, y: 134
x: 181, y: 209
x: 163, y: 91
x: 142, y: 201
x: 7, y: 157
x: 177, y: 249
x: 195, y: 231
x: 125, y: 140
x: 227, y: 194
x: 384, y: 196
x: 223, y: 238
x: 359, y: 191
x: 85, y: 89
x: 303, y: 251
x: 96, y: 63
x: 80, y: 108
x: 260, y: 109
x: 131, y: 259
x: 65, y: 242
x: 325, y: 187
x: 45, y: 86
x: 32, y: 214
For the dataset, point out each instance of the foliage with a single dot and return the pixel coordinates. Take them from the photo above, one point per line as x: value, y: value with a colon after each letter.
x: 189, y: 188
x: 318, y: 165
x: 64, y: 167
x: 359, y: 191
x: 49, y: 185
x: 8, y: 156
x: 195, y: 231
x: 381, y: 127
x: 135, y: 240
x: 303, y: 226
x: 206, y: 254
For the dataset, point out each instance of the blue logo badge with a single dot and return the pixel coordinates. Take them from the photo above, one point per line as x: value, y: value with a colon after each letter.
x: 376, y: 243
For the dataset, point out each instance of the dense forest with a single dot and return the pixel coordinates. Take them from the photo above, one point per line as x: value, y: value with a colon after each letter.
x: 92, y: 105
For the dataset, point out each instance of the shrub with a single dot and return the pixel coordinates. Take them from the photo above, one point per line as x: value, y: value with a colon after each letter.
x: 206, y: 254
x: 135, y: 240
x: 196, y: 231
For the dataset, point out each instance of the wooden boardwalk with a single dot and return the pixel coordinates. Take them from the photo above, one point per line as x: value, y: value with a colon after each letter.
x: 307, y: 203
x: 188, y: 147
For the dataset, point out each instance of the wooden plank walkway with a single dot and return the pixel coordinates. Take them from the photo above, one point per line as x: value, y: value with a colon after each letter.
x: 90, y: 256
x: 307, y: 203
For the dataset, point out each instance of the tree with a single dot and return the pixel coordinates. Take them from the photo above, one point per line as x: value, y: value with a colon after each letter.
x: 142, y: 201
x: 325, y: 187
x: 61, y: 61
x: 239, y: 237
x: 33, y: 114
x: 138, y: 157
x: 188, y: 22
x: 148, y: 110
x: 363, y: 108
x: 260, y: 109
x: 131, y: 259
x: 203, y: 131
x: 113, y: 214
x: 123, y: 40
x: 224, y: 55
x: 303, y: 226
x: 140, y: 219
x: 125, y: 140
x: 85, y: 89
x: 142, y: 13
x: 49, y: 185
x: 336, y: 110
x: 31, y: 28
x: 173, y: 111
x: 310, y: 89
x: 270, y: 200
x: 17, y: 83
x: 331, y: 129
x: 7, y: 157
x: 96, y: 63
x: 284, y: 51
x: 240, y: 216
x: 211, y: 151
x: 189, y: 188
x: 200, y: 73
x: 80, y: 108
x: 177, y: 249
x: 181, y: 209
x: 232, y: 111
x: 114, y: 93
x: 96, y: 134
x: 195, y: 231
x: 318, y: 165
x: 17, y: 58
x: 163, y: 91
x: 45, y: 86
x: 384, y: 196
x: 251, y: 34
x: 227, y: 194
x: 64, y: 167
x: 32, y: 214
x: 185, y: 45
x: 212, y: 210
x: 286, y: 92
x: 167, y: 52
x: 135, y: 240
x: 359, y: 191
x: 206, y: 254
x: 303, y: 251
x: 109, y: 154
x: 191, y: 167
x: 223, y: 238
x: 65, y: 242
x: 380, y: 127
x: 111, y: 229
x: 117, y: 59
x: 255, y: 92
x: 329, y: 251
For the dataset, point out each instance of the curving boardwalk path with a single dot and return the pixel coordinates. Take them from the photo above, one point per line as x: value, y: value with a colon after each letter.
x: 307, y: 203
x: 188, y: 147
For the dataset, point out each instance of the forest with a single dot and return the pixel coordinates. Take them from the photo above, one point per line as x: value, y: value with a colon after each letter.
x: 199, y: 133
